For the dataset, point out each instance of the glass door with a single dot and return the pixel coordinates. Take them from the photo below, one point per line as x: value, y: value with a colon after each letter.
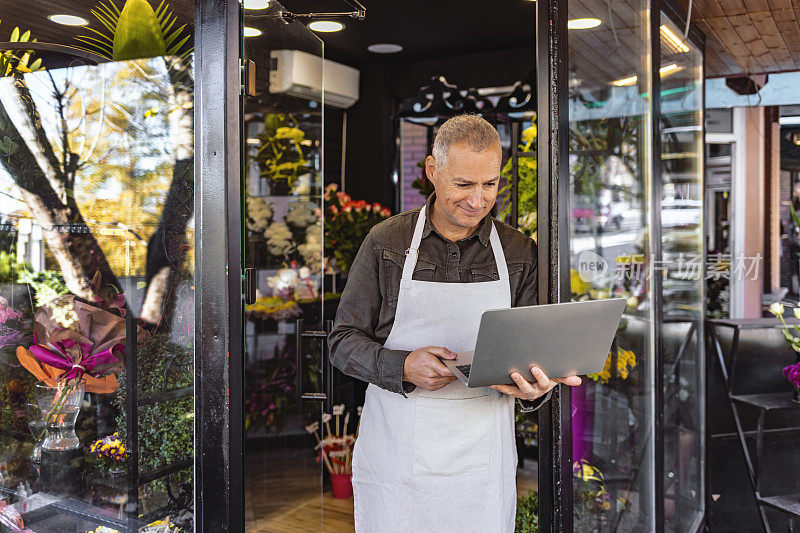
x: 96, y: 267
x: 284, y: 333
x: 683, y: 291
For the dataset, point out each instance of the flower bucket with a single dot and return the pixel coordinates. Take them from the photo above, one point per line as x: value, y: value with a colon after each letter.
x: 341, y: 486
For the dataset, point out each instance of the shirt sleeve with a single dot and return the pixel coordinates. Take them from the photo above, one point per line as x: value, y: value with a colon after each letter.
x: 528, y: 291
x: 354, y: 347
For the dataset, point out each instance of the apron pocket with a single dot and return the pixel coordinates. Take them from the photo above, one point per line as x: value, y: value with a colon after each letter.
x: 451, y: 437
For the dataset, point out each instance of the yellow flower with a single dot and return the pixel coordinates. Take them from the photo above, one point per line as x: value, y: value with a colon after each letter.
x: 578, y: 285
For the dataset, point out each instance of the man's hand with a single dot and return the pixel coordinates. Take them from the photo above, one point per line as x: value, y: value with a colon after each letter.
x: 424, y: 369
x: 539, y: 387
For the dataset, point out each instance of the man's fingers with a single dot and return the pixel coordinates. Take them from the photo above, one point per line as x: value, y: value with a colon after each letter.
x: 441, y: 351
x: 521, y: 382
x: 541, y: 378
x: 572, y: 381
x: 507, y: 389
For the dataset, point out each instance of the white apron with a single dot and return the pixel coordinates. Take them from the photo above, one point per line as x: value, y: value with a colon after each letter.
x: 442, y: 461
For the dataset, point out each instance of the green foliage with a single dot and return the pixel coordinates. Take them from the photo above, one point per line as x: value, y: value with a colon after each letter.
x: 280, y: 156
x: 9, y: 268
x: 422, y: 183
x: 12, y: 63
x: 165, y: 428
x: 48, y: 284
x: 527, y: 520
x: 135, y: 32
x: 527, y: 185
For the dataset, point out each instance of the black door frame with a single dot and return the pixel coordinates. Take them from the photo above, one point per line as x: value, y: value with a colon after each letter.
x: 219, y: 495
x: 555, y: 421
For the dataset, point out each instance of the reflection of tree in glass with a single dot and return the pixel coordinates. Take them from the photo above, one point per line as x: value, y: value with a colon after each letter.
x: 93, y: 149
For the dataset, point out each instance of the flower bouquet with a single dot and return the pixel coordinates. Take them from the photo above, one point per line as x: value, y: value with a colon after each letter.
x: 108, y: 456
x: 347, y: 223
x: 792, y: 335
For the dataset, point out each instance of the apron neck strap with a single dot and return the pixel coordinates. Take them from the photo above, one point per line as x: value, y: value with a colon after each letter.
x: 412, y: 253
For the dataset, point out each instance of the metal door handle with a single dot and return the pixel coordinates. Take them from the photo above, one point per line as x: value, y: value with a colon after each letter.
x: 249, y: 286
x: 300, y: 355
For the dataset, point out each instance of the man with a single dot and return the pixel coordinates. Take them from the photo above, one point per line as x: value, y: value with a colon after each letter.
x: 432, y: 454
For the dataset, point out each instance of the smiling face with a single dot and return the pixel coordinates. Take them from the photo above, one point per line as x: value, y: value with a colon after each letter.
x: 466, y: 187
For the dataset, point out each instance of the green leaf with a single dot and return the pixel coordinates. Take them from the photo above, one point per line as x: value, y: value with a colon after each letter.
x: 138, y: 33
x: 15, y: 35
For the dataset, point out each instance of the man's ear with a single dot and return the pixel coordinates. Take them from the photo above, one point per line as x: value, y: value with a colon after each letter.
x: 430, y: 168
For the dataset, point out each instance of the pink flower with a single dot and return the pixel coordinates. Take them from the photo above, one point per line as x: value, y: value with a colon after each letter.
x: 343, y: 197
x: 377, y: 207
x: 334, y: 210
x: 347, y: 208
x: 331, y: 188
x: 386, y: 212
x: 7, y: 312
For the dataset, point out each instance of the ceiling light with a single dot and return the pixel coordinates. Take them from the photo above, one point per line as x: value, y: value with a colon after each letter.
x: 583, y: 24
x: 665, y: 71
x: 251, y: 32
x: 253, y: 141
x: 325, y: 26
x: 624, y: 82
x: 255, y: 5
x: 68, y: 20
x: 669, y: 69
x: 385, y: 48
x: 675, y: 43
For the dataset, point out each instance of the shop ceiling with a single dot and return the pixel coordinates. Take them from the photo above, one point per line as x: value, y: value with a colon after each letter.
x: 748, y: 36
x: 744, y: 36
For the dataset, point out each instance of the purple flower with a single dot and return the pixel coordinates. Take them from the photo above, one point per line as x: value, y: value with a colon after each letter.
x: 792, y: 373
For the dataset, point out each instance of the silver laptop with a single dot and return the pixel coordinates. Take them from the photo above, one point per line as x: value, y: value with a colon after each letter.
x: 564, y: 339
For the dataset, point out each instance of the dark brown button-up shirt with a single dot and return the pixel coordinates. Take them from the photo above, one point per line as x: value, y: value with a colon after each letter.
x: 369, y: 301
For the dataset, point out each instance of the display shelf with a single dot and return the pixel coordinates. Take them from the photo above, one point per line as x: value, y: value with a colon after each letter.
x: 764, y: 403
x: 166, y: 395
x: 789, y: 504
x: 768, y: 402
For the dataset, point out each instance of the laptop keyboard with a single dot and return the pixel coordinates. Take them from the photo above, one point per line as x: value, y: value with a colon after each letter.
x: 464, y: 369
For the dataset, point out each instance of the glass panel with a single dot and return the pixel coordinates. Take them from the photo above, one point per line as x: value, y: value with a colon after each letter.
x: 282, y: 227
x: 610, y: 147
x: 681, y: 136
x: 96, y: 275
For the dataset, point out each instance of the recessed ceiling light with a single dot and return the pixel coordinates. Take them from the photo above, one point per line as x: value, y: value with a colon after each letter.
x: 255, y: 5
x: 669, y: 69
x: 385, y: 48
x: 674, y: 42
x: 583, y: 24
x: 326, y: 26
x: 253, y: 141
x: 68, y: 20
x: 251, y: 32
x: 624, y: 82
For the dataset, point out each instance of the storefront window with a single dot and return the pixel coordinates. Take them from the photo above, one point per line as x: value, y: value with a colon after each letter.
x: 681, y: 136
x: 96, y: 269
x: 610, y: 245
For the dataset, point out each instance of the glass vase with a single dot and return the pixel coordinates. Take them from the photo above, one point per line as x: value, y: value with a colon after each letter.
x: 36, y: 425
x: 795, y: 394
x: 59, y: 404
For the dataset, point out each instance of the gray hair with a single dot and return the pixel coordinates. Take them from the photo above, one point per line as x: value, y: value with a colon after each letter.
x: 471, y: 130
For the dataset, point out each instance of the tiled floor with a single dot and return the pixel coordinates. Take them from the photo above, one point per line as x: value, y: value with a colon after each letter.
x: 282, y: 494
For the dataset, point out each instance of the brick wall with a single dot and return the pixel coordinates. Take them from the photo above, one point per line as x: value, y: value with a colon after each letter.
x: 413, y: 148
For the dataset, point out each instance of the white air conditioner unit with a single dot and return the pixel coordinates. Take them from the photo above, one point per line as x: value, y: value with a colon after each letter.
x: 300, y: 74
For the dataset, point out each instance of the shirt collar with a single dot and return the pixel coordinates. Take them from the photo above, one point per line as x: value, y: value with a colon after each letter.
x: 484, y: 227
